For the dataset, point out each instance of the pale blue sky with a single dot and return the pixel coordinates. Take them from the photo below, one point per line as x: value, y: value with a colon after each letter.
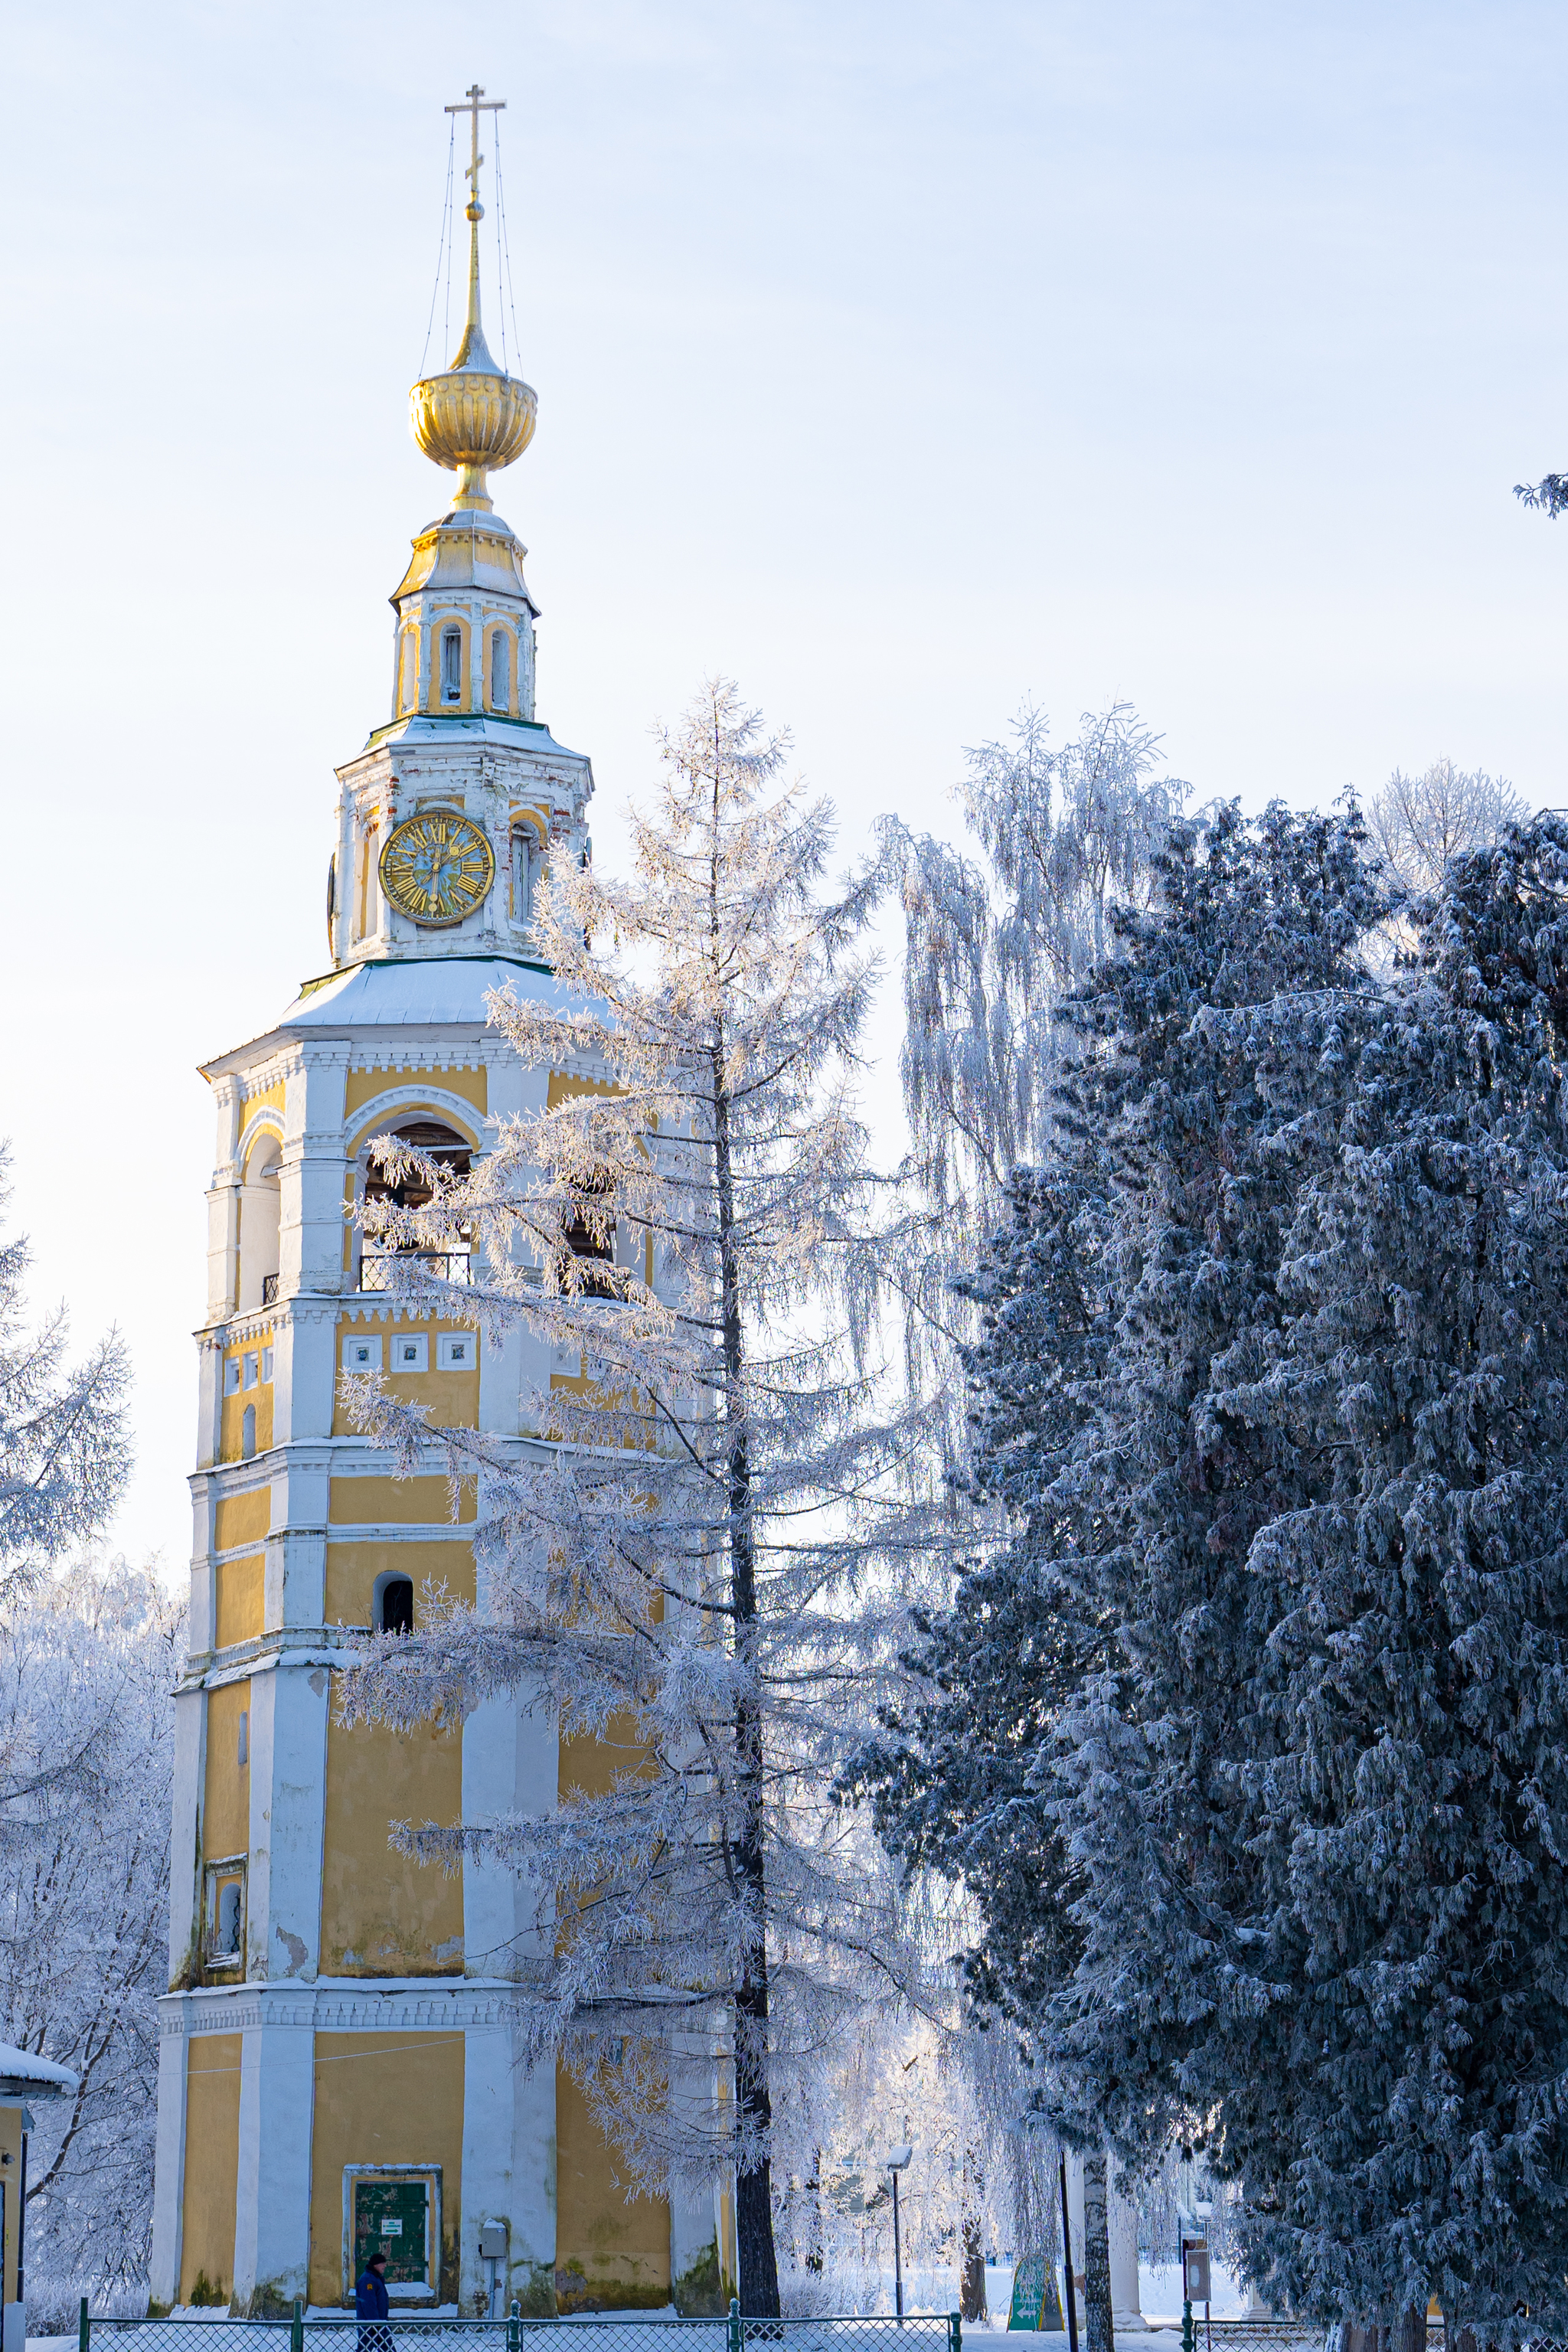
x: 899, y: 360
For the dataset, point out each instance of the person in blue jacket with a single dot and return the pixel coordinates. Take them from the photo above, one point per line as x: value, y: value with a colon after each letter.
x: 371, y: 2302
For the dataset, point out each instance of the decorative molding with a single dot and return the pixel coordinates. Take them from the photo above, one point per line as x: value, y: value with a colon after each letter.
x: 368, y: 1116
x: 344, y: 2005
x: 271, y: 1115
x: 367, y: 1058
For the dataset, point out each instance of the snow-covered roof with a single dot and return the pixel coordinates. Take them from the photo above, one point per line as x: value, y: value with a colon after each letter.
x: 23, y: 2076
x: 446, y: 990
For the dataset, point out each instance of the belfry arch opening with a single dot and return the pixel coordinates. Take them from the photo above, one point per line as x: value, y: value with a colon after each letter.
x: 260, y: 1212
x: 453, y: 1155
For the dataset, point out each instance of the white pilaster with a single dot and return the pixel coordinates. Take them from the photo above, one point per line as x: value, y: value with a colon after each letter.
x: 169, y: 2170
x: 184, y: 1843
x: 288, y: 1816
x: 272, y: 2196
x: 490, y: 2142
x: 490, y: 1790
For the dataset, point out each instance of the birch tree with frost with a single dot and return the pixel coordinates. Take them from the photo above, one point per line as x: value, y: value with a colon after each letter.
x: 994, y: 946
x: 686, y: 1566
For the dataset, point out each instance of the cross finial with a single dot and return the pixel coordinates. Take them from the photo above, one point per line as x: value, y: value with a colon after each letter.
x: 474, y: 104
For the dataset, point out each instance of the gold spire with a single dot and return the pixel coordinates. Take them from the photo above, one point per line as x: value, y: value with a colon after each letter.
x: 473, y: 417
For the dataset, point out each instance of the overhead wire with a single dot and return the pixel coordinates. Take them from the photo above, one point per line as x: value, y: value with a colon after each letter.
x: 443, y: 253
x: 503, y: 258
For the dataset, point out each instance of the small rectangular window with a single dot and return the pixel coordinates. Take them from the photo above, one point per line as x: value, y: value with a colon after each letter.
x: 265, y: 1365
x: 452, y: 665
x: 231, y: 1376
x: 456, y: 1351
x: 410, y: 1352
x: 501, y: 668
x: 225, y: 1933
x: 361, y: 1355
x: 244, y: 1736
x: 252, y: 1370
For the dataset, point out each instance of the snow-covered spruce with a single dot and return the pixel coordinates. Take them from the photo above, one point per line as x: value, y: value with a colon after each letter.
x: 1411, y: 1782
x: 690, y: 1572
x: 1112, y: 1621
x: 64, y: 1457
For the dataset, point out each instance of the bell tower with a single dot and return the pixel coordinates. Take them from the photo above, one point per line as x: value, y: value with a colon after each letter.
x: 339, y: 2061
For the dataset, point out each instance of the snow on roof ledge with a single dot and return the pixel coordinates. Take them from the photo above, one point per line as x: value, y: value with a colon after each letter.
x: 436, y: 992
x: 24, y: 2077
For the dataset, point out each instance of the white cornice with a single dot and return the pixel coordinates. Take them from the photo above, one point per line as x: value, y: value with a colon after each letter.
x: 344, y: 2004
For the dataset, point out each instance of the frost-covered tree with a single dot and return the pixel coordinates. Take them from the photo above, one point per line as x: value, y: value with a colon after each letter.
x: 1108, y: 1632
x: 88, y: 1662
x: 1316, y: 1802
x: 64, y: 1455
x: 1410, y: 1779
x: 992, y: 945
x: 1419, y: 825
x: 1550, y: 494
x: 683, y: 1566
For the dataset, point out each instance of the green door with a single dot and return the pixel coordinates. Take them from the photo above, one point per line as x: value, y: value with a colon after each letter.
x: 390, y: 2219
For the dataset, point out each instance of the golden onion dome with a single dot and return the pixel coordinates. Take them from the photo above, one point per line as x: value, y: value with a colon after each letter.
x: 473, y: 417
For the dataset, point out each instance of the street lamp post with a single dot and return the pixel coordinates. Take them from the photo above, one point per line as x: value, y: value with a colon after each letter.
x: 898, y: 2158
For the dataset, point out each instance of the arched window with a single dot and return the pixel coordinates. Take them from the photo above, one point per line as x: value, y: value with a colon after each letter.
x: 395, y: 1604
x: 248, y: 1433
x: 451, y: 665
x: 527, y: 865
x: 259, y: 1206
x: 501, y: 671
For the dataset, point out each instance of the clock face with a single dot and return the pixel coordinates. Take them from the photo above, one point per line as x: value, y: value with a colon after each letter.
x: 437, y: 867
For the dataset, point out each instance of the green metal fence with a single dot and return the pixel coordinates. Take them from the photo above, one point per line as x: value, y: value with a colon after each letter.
x: 590, y: 2332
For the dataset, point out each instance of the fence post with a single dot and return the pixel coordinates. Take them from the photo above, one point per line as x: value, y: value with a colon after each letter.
x: 83, y: 2328
x: 297, y: 2328
x: 514, y: 2327
x: 955, y: 2331
x: 736, y: 2333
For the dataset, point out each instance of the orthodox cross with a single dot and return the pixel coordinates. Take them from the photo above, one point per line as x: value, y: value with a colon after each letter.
x: 475, y: 104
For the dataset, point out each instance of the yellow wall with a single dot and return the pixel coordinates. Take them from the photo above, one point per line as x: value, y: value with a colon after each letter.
x: 451, y: 1399
x: 242, y: 1518
x: 563, y: 1088
x: 225, y: 1811
x: 383, y: 1914
x: 609, y: 2254
x: 383, y: 2099
x: 363, y: 1086
x: 261, y: 1099
x: 11, y: 2150
x: 231, y: 1426
x: 399, y: 1503
x: 241, y: 1601
x: 212, y: 2165
x: 353, y: 1568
